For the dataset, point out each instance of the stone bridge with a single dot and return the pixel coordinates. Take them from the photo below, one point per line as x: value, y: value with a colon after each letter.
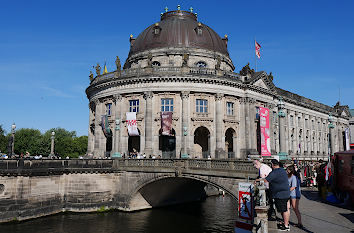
x: 33, y: 188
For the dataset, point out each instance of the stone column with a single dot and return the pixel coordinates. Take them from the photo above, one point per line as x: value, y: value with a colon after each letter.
x: 90, y: 139
x: 99, y: 137
x: 253, y: 128
x: 116, y: 152
x: 148, y: 122
x: 340, y: 137
x: 331, y: 138
x: 270, y: 106
x: 219, y: 152
x: 282, y: 143
x: 185, y: 124
x: 242, y: 140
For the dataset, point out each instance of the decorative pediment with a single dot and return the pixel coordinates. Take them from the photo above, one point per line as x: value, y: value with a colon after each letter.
x: 262, y: 80
x: 260, y: 83
x: 343, y: 114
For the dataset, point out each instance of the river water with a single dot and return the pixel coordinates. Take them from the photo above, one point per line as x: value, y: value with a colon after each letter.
x: 215, y: 214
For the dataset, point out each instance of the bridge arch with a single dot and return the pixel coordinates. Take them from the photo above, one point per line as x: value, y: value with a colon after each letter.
x: 138, y: 197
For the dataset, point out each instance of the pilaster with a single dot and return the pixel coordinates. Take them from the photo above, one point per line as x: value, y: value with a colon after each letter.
x: 219, y: 152
x: 185, y: 124
x: 116, y: 152
x: 148, y: 122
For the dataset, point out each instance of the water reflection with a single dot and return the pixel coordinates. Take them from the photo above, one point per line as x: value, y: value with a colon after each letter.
x: 215, y: 214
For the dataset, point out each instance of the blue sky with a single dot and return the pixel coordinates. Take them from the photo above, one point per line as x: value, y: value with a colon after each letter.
x: 47, y: 49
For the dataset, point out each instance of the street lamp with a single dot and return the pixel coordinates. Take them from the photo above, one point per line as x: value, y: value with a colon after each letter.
x: 281, y: 114
x: 13, y: 127
x: 52, y: 144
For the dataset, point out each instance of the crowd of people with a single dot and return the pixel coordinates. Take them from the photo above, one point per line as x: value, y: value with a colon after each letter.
x: 283, y: 190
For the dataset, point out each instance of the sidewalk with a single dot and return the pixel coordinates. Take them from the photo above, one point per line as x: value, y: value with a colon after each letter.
x: 319, y: 217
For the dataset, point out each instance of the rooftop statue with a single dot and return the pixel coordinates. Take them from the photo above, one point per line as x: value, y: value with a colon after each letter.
x: 118, y: 64
x: 218, y: 63
x: 98, y: 69
x: 185, y: 60
x: 91, y: 76
x: 246, y: 70
x: 149, y: 60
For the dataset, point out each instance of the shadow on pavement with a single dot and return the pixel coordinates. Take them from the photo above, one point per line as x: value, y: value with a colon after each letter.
x: 350, y: 217
x: 312, y: 194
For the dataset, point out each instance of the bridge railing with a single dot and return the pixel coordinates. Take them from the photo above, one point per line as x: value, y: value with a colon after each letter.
x: 8, y: 166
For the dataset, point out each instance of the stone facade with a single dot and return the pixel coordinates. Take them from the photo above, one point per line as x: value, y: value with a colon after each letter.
x: 190, y: 75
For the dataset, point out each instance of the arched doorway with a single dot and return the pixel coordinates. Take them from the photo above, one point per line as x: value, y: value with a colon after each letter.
x: 230, y: 143
x: 167, y: 144
x: 134, y: 143
x: 202, y: 138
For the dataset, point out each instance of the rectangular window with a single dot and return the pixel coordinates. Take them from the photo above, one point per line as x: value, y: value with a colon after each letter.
x: 133, y: 105
x: 166, y: 105
x: 230, y: 108
x: 108, y: 109
x: 299, y: 122
x: 274, y: 117
x: 201, y: 106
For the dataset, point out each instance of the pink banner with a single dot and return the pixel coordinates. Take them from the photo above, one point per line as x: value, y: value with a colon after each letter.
x: 265, y: 134
x: 166, y: 123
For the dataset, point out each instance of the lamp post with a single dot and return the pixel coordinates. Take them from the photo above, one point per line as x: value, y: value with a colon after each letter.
x: 13, y: 127
x: 331, y: 135
x: 52, y: 144
x: 282, y: 146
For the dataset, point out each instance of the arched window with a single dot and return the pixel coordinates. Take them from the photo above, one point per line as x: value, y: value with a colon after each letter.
x: 155, y: 63
x: 201, y: 64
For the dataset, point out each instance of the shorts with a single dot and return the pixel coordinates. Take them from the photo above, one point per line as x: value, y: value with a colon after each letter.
x: 281, y: 204
x: 293, y: 197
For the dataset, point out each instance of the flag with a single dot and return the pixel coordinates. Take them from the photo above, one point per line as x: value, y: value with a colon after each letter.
x: 105, y: 69
x: 258, y: 49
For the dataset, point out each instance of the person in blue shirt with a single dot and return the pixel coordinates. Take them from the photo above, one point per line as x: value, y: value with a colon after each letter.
x: 279, y: 187
x: 295, y: 193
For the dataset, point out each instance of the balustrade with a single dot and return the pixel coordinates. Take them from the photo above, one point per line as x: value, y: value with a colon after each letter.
x: 22, y: 166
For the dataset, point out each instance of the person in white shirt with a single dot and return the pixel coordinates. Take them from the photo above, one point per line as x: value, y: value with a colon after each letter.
x: 264, y: 171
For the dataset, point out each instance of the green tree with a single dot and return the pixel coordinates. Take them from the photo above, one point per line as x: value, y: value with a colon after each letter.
x: 29, y: 140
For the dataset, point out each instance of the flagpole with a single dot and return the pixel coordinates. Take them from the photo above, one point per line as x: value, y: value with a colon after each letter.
x: 255, y: 56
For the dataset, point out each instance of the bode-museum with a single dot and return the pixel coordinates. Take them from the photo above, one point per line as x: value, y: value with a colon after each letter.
x: 178, y: 96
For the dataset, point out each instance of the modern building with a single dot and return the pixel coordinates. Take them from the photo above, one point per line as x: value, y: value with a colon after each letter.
x: 182, y: 66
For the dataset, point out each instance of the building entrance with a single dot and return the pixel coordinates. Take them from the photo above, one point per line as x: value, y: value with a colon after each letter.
x: 167, y: 144
x: 230, y: 145
x: 202, y: 138
x: 134, y: 143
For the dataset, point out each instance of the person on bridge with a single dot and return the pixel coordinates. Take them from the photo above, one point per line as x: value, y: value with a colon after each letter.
x: 279, y: 187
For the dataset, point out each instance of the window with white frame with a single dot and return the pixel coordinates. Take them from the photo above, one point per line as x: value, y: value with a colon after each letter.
x: 230, y: 108
x: 201, y: 106
x: 167, y: 105
x: 133, y: 105
x: 108, y: 109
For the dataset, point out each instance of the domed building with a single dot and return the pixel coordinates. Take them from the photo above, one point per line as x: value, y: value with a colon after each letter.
x: 179, y: 69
